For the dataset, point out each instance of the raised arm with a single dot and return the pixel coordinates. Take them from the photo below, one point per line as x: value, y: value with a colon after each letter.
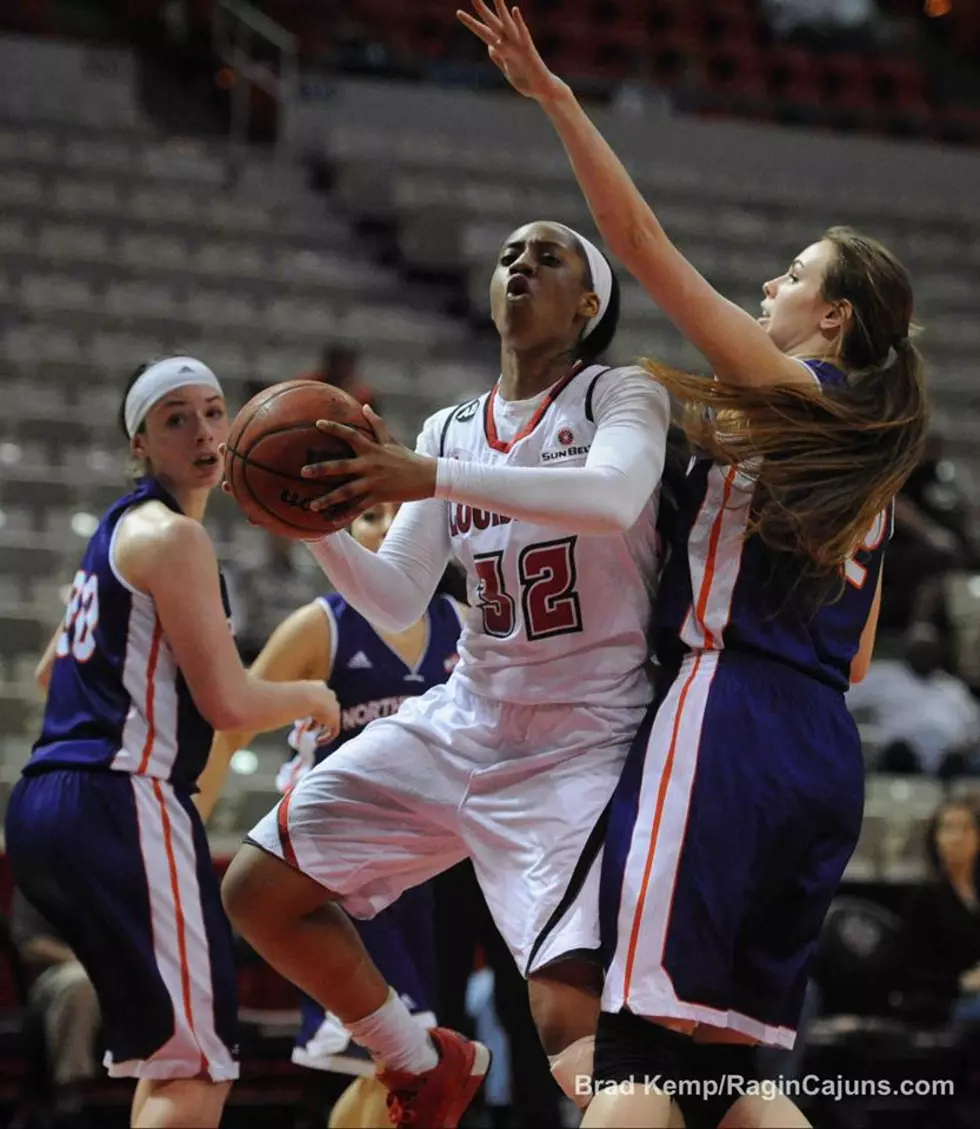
x: 736, y: 346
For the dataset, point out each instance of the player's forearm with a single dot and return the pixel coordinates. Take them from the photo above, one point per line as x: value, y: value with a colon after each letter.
x: 606, y: 496
x: 391, y: 588
x: 624, y: 218
x: 586, y: 500
x: 253, y: 705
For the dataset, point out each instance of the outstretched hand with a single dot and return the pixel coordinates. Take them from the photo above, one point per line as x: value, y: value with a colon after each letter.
x: 510, y: 46
x: 381, y: 470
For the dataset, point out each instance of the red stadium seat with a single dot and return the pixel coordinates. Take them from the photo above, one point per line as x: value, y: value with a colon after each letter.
x: 900, y: 81
x: 728, y: 22
x: 790, y: 66
x: 673, y: 16
x: 959, y: 124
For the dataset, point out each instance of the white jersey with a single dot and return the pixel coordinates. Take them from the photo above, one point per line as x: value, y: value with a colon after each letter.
x: 553, y: 618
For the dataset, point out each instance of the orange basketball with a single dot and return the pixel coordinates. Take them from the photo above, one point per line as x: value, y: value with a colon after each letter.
x: 272, y: 438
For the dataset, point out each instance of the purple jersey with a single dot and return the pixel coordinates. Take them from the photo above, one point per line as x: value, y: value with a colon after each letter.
x: 722, y: 589
x: 369, y: 678
x: 117, y: 699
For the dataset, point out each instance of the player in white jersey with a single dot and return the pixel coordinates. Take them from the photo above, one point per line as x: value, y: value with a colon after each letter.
x: 546, y: 489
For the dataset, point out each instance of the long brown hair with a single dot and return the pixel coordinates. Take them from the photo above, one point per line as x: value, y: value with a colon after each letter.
x: 825, y: 462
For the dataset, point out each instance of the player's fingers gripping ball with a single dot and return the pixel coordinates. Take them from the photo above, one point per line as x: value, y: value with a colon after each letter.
x: 272, y: 438
x: 381, y: 470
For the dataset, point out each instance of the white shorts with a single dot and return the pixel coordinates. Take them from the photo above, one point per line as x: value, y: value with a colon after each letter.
x: 519, y: 789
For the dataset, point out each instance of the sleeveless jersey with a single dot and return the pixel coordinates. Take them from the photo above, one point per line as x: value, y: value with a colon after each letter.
x: 554, y: 617
x: 369, y: 678
x: 721, y: 589
x: 117, y: 700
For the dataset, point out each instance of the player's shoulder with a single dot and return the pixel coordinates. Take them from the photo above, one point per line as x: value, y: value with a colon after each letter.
x: 340, y: 615
x: 615, y: 385
x: 153, y: 524
x: 437, y: 427
x: 152, y: 543
x: 825, y: 374
x: 333, y: 605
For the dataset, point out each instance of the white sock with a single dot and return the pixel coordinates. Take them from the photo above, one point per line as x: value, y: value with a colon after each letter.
x: 394, y: 1039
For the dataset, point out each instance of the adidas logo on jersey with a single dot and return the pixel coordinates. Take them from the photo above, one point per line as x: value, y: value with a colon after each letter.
x: 360, y: 661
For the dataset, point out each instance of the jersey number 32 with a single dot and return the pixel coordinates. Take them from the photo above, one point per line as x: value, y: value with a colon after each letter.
x: 81, y: 616
x: 546, y: 578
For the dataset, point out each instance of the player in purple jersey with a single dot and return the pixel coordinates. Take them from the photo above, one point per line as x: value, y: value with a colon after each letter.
x: 102, y: 831
x: 742, y: 798
x: 372, y: 672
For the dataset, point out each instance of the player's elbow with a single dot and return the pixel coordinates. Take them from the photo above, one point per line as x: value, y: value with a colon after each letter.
x: 620, y: 515
x: 617, y: 501
x: 224, y: 716
x: 224, y: 709
x: 393, y: 624
x: 639, y: 242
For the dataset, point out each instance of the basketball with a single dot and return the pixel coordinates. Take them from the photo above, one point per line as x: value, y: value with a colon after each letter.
x: 272, y: 438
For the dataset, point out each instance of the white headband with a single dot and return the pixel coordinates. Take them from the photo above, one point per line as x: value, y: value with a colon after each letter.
x: 160, y: 379
x: 602, y: 276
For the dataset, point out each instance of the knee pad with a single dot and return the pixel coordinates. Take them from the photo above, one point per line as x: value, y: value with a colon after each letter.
x: 572, y: 1070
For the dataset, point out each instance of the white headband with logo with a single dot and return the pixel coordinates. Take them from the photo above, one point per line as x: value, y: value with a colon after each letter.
x: 158, y: 381
x: 602, y: 276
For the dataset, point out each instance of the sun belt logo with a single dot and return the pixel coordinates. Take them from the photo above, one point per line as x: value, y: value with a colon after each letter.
x: 567, y: 450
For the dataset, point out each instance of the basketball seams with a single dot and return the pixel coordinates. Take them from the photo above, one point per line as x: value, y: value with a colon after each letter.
x: 240, y: 449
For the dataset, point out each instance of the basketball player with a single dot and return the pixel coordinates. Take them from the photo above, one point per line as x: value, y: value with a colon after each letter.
x: 372, y: 673
x: 101, y: 830
x: 545, y: 489
x: 742, y: 799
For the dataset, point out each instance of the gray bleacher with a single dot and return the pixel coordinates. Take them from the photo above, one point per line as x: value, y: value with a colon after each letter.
x: 117, y: 244
x: 454, y: 196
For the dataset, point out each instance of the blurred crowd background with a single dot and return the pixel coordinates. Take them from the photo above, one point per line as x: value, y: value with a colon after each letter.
x: 318, y: 188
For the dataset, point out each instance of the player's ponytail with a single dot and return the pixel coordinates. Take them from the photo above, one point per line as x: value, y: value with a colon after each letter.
x: 825, y: 461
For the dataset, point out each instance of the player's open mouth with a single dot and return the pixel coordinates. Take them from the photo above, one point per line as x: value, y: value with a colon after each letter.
x: 518, y: 286
x: 206, y: 460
